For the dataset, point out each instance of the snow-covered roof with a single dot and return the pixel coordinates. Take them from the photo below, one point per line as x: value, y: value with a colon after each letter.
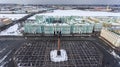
x: 77, y: 13
x: 12, y: 16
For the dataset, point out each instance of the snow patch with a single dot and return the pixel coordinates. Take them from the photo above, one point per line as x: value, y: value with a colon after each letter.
x: 13, y: 30
x: 119, y: 63
x: 55, y: 58
x: 115, y: 55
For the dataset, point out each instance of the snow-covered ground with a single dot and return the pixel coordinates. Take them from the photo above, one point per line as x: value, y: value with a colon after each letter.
x: 13, y: 30
x: 12, y: 16
x: 77, y: 13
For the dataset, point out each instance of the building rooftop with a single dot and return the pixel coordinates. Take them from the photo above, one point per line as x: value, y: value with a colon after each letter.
x: 77, y: 13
